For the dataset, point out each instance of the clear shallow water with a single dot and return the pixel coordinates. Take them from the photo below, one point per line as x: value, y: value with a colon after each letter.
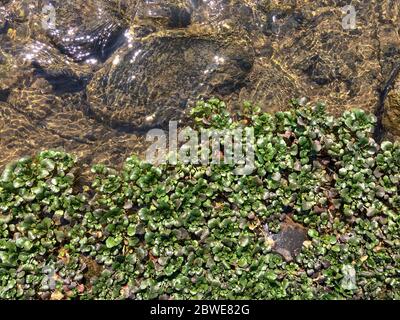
x: 96, y: 75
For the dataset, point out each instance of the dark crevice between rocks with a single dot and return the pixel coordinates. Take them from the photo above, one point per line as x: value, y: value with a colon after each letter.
x: 380, y: 110
x: 180, y: 18
x: 379, y: 133
x: 4, y: 95
x: 4, y: 27
x: 61, y: 82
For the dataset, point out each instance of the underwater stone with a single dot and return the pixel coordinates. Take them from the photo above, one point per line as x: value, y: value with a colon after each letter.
x: 155, y: 80
x: 391, y: 116
x: 172, y: 14
x: 86, y: 30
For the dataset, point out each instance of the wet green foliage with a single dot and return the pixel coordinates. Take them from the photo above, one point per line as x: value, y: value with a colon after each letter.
x: 201, y: 232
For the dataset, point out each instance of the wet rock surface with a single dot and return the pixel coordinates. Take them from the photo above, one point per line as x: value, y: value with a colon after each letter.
x: 85, y: 30
x: 391, y: 112
x: 169, y: 14
x: 268, y: 53
x: 154, y: 81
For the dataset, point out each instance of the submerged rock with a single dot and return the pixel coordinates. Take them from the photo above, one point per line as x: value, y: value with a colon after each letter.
x: 85, y: 30
x: 52, y: 44
x: 9, y: 74
x: 391, y: 115
x: 312, y: 55
x: 228, y: 13
x: 171, y: 14
x: 154, y: 81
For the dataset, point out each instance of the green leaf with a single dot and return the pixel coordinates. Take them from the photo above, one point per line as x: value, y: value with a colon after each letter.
x: 112, y: 242
x: 313, y: 233
x: 131, y: 231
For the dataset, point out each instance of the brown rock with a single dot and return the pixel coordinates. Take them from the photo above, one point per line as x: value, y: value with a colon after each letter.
x: 391, y: 116
x: 289, y: 241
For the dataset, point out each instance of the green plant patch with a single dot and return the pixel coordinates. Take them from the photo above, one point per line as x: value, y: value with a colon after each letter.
x: 189, y: 231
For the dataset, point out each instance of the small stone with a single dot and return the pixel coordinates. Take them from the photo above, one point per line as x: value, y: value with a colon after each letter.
x: 289, y: 241
x: 57, y: 295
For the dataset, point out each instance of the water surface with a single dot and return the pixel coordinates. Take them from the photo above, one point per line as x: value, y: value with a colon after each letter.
x: 95, y: 78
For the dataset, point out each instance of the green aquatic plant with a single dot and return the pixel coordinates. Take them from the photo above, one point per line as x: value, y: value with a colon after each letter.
x: 189, y: 231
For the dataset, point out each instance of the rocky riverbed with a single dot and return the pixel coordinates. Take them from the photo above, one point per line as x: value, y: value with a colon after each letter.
x: 104, y: 71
